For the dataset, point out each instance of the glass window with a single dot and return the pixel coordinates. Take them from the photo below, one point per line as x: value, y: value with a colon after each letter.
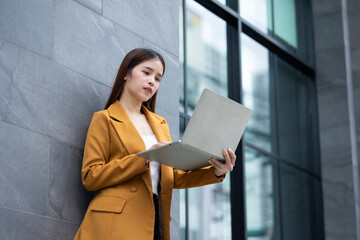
x: 206, y: 53
x: 287, y: 21
x: 257, y: 94
x: 210, y: 211
x: 293, y: 115
x: 301, y: 209
x: 283, y: 200
x: 183, y: 214
x: 258, y: 13
x: 221, y: 1
x: 261, y: 197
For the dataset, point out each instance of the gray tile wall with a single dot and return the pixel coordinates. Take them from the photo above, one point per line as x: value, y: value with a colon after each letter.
x: 338, y: 80
x: 58, y: 61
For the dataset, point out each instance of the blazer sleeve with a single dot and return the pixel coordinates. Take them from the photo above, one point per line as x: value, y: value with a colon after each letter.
x: 97, y: 171
x: 196, y: 178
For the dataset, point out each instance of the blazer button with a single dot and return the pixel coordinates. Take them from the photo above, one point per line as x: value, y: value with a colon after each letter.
x: 133, y: 189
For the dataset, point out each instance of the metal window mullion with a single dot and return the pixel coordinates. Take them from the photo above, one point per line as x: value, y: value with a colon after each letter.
x: 275, y: 47
x: 222, y: 11
x: 272, y: 32
x: 316, y: 156
x: 278, y: 165
x: 228, y: 14
x: 187, y: 232
x: 282, y: 160
x: 237, y: 183
x: 185, y: 116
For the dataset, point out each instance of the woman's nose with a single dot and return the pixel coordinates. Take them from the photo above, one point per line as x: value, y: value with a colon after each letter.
x: 151, y: 81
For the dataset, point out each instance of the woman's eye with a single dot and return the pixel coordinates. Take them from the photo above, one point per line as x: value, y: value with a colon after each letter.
x: 157, y: 79
x: 146, y: 72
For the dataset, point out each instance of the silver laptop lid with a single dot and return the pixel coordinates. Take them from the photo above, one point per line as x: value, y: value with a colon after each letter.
x: 217, y: 122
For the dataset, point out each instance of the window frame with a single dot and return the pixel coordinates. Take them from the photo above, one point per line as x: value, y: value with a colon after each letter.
x: 235, y: 27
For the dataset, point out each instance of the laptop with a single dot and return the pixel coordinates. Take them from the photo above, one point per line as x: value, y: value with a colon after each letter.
x: 216, y: 123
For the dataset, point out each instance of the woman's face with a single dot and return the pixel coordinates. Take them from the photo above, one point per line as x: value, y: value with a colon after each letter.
x: 144, y: 80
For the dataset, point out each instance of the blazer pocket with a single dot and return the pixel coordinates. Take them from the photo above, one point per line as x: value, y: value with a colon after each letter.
x: 108, y: 204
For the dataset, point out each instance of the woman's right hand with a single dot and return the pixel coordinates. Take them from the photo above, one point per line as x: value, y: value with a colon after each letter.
x: 159, y: 144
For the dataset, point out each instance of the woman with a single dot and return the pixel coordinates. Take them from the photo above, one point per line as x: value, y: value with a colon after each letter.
x: 133, y: 195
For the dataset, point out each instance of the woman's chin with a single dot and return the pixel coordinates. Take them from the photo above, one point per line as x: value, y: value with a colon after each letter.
x: 145, y: 99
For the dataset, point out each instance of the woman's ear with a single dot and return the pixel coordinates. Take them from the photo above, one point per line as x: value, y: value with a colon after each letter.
x: 128, y: 75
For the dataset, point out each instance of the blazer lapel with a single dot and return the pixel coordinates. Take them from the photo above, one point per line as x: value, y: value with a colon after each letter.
x: 158, y: 125
x: 125, y: 129
x: 132, y: 140
x: 162, y: 133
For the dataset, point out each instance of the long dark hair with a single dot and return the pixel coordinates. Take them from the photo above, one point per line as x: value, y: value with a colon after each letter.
x: 131, y: 60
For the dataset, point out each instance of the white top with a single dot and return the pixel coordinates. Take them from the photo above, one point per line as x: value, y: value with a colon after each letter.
x: 150, y: 140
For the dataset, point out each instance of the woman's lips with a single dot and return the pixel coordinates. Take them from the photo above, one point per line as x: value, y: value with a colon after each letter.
x: 148, y: 90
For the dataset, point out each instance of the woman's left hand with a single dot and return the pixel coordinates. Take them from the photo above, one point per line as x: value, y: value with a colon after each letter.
x: 222, y: 168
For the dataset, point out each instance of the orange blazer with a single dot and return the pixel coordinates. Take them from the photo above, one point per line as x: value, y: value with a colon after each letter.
x: 123, y: 206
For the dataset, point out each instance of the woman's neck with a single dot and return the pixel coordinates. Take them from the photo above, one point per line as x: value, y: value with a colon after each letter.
x: 131, y: 107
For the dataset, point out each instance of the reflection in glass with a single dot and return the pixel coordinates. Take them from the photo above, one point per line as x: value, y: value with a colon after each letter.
x: 209, y: 206
x: 288, y: 21
x: 293, y: 115
x: 182, y: 214
x: 257, y: 94
x: 210, y: 212
x: 258, y: 13
x: 206, y: 53
x: 221, y: 1
x: 301, y: 209
x: 285, y: 21
x: 275, y: 17
x: 260, y: 194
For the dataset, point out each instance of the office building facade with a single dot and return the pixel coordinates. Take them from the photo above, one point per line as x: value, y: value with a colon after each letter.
x: 294, y: 63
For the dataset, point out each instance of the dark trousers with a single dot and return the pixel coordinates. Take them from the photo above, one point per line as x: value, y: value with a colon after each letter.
x: 157, y: 235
